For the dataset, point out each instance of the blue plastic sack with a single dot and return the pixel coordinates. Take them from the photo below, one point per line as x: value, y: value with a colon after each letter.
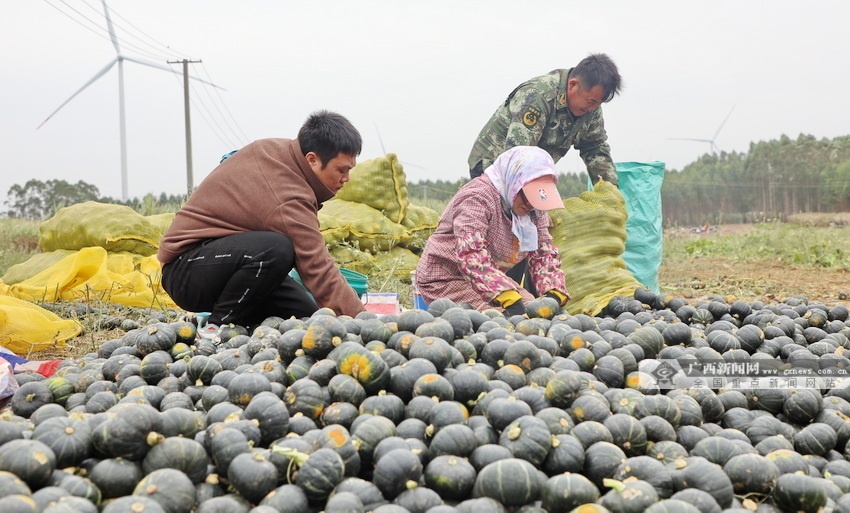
x: 359, y: 282
x: 640, y: 184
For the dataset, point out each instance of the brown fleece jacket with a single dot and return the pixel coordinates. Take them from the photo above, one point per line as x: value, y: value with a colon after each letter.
x: 265, y: 186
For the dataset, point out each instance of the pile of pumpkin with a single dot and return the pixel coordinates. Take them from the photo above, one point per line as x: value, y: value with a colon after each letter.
x: 437, y: 411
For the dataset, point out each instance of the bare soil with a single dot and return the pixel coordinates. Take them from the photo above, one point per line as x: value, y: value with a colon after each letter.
x: 703, y: 277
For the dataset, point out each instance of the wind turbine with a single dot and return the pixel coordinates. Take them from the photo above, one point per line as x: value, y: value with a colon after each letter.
x: 119, y: 59
x: 714, y: 147
x: 384, y: 150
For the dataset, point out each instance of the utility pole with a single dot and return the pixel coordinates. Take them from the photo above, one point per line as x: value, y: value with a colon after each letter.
x: 190, y: 186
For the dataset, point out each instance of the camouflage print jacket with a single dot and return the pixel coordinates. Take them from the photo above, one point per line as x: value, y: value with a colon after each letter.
x: 536, y: 114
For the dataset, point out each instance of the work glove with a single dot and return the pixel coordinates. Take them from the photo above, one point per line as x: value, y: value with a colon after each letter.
x: 514, y: 309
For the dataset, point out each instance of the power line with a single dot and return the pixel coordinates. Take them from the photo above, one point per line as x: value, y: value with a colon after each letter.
x: 245, y: 137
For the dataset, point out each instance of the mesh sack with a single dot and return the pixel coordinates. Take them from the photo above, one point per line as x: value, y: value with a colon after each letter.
x: 396, y: 263
x: 381, y: 184
x: 420, y: 223
x: 354, y: 259
x: 92, y: 274
x: 590, y: 234
x: 112, y: 227
x: 332, y: 229
x: 34, y: 265
x: 27, y: 328
x: 161, y: 221
x: 369, y: 230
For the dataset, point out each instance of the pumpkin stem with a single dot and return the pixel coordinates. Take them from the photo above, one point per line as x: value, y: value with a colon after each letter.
x: 411, y: 484
x: 154, y: 438
x: 617, y: 486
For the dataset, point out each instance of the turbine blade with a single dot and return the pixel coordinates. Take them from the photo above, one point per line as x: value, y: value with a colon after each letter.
x: 163, y: 67
x: 690, y: 139
x: 80, y: 90
x: 111, y: 29
x: 724, y: 122
x: 383, y: 150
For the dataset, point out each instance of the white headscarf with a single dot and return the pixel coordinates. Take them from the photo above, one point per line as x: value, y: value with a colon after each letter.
x: 509, y: 173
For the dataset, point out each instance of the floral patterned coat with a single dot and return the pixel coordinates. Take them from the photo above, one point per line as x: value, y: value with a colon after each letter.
x: 466, y: 258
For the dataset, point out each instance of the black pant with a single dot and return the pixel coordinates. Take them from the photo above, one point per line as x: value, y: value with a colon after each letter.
x: 519, y: 272
x: 240, y: 279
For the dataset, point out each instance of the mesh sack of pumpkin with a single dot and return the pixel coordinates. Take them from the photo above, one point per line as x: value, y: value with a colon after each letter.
x: 590, y: 234
x: 111, y: 227
x: 369, y: 230
x: 352, y: 258
x: 397, y: 263
x: 34, y: 265
x: 420, y: 223
x: 381, y: 184
x: 161, y: 221
x: 333, y: 230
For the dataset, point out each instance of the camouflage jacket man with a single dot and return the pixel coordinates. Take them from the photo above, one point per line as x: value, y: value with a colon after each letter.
x: 536, y: 114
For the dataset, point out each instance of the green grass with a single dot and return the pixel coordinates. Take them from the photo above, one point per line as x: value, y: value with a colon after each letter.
x: 781, y: 243
x: 18, y: 241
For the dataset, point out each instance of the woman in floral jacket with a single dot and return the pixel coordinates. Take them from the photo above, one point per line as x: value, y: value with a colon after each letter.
x: 494, y: 222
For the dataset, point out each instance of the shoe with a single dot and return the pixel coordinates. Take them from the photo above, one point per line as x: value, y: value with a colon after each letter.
x: 209, y: 332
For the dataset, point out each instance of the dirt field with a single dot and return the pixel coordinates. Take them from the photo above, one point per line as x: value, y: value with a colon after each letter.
x: 706, y: 276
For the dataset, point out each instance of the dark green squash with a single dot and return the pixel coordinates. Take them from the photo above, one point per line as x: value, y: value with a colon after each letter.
x: 647, y: 469
x: 633, y: 496
x: 567, y: 491
x: 627, y: 433
x: 659, y: 405
x: 305, y: 396
x: 18, y: 504
x: 271, y: 414
x: 343, y: 502
x: 252, y: 475
x: 137, y: 504
x: 816, y: 438
x: 601, y: 460
x: 432, y: 348
x: 649, y: 339
x: 171, y: 488
x: 563, y: 388
x: 438, y: 328
x: 324, y: 333
x: 459, y: 320
x: 454, y: 440
x: 319, y: 473
x: 29, y: 397
x: 417, y: 499
x: 396, y: 471
x: 502, y: 411
x: 69, y: 439
x: 559, y: 421
x: 450, y: 476
x: 287, y: 497
x: 512, y: 482
x: 116, y: 477
x: 245, y: 386
x: 201, y: 369
x: 795, y: 492
x: 79, y: 486
x: 363, y: 365
x: 368, y: 433
x: 589, y: 432
x: 527, y: 438
x: 30, y: 460
x: 524, y: 355
x: 565, y: 455
x: 433, y: 385
x: 184, y: 454
x: 751, y: 474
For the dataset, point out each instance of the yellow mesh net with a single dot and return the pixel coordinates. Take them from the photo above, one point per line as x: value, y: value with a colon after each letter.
x: 368, y: 229
x: 590, y: 233
x: 27, y: 328
x: 93, y: 274
x: 381, y: 184
x: 112, y: 227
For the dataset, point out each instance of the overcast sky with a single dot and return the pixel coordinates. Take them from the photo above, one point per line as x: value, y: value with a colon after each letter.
x: 426, y: 76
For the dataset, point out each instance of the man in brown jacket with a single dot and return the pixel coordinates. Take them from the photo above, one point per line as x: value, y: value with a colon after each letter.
x: 231, y: 247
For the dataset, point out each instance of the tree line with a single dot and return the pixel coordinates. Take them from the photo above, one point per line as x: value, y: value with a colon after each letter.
x: 771, y: 180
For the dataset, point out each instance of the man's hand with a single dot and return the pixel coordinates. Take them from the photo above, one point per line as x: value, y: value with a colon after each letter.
x: 514, y: 309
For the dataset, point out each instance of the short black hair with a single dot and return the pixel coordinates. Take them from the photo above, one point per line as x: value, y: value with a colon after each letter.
x: 328, y: 134
x: 598, y: 69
